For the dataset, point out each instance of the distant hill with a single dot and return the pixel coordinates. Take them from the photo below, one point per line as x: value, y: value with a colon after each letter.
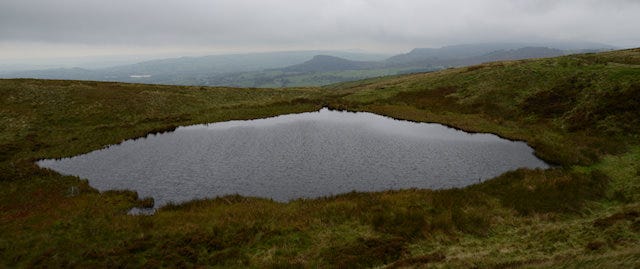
x: 476, y: 50
x: 189, y: 70
x: 449, y: 52
x: 306, y: 68
x: 522, y: 53
x: 497, y: 55
x: 323, y: 69
x: 219, y: 64
x: 325, y: 63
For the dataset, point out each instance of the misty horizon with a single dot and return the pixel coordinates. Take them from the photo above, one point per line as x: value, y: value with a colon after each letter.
x: 104, y: 61
x: 49, y: 31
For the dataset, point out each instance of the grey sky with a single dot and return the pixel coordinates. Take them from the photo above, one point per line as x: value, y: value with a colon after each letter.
x: 66, y: 28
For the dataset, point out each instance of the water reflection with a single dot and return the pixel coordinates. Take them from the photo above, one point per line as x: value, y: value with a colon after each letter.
x: 299, y: 155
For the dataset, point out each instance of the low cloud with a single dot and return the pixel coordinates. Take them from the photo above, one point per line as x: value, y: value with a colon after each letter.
x: 295, y: 24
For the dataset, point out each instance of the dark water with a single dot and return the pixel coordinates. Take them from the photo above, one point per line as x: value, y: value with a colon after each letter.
x: 299, y: 155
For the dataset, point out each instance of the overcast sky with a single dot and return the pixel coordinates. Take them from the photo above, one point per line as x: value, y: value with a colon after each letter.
x: 70, y: 28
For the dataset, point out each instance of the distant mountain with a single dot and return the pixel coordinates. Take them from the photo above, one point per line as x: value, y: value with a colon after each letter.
x: 189, y: 70
x: 218, y: 64
x: 449, y: 52
x: 326, y: 63
x: 424, y: 58
x: 521, y: 53
x: 307, y: 68
x: 466, y: 51
x: 499, y: 55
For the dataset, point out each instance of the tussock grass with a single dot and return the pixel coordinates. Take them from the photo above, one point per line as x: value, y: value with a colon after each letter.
x: 579, y: 112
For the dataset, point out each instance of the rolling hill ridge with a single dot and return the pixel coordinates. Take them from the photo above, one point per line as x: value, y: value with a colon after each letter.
x: 305, y: 68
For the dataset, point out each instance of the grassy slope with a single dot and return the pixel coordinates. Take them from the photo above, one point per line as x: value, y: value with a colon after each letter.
x: 580, y: 112
x: 277, y: 79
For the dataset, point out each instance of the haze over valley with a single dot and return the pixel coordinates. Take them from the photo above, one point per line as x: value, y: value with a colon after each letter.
x: 214, y: 43
x: 306, y: 68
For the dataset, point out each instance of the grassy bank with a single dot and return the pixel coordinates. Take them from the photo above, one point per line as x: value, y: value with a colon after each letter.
x: 579, y: 112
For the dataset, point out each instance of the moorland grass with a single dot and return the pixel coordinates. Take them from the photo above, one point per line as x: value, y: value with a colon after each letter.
x: 579, y: 112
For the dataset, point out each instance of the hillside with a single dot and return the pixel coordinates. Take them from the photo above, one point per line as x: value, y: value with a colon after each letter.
x: 580, y: 112
x: 188, y: 70
x: 304, y: 68
x: 326, y: 63
x: 477, y: 50
x: 418, y: 58
x: 325, y: 70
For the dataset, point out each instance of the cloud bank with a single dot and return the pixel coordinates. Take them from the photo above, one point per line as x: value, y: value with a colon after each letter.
x: 259, y: 25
